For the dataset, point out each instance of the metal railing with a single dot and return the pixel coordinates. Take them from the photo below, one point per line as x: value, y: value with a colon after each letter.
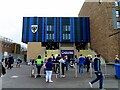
x: 35, y: 70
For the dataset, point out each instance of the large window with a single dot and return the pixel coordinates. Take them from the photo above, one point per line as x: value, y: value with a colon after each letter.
x: 118, y: 24
x: 66, y: 36
x: 50, y: 36
x: 50, y: 32
x: 66, y: 28
x: 50, y: 28
x: 63, y: 36
x: 66, y: 32
x: 117, y: 13
x: 69, y: 36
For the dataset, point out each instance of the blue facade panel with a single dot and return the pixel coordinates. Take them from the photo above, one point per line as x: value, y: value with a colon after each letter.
x: 24, y: 29
x: 73, y: 29
x: 46, y: 21
x: 55, y: 30
x: 84, y: 29
x: 37, y: 31
x: 43, y: 35
x: 30, y: 32
x: 72, y: 32
x: 61, y: 29
x: 79, y: 29
x: 88, y: 30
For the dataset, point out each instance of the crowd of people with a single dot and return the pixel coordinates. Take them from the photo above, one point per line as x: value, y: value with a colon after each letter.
x: 52, y: 64
x: 7, y: 63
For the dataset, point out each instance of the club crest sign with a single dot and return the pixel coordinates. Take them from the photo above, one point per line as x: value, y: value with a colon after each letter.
x: 34, y: 28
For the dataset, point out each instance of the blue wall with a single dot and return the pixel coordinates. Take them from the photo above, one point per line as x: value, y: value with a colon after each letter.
x: 79, y: 29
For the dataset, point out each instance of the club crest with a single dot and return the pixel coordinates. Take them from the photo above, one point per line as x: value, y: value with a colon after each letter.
x: 34, y: 28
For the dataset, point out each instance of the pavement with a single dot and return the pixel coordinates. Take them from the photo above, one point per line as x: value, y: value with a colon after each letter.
x: 21, y: 78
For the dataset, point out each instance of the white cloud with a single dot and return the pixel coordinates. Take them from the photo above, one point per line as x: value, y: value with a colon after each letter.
x: 13, y: 11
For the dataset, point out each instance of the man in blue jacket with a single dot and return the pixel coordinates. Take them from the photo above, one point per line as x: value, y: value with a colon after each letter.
x: 97, y: 72
x: 81, y: 63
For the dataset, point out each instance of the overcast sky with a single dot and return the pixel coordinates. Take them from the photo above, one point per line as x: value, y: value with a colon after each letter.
x: 13, y: 11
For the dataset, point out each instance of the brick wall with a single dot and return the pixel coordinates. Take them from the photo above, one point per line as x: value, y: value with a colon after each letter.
x: 101, y: 29
x: 6, y: 47
x: 34, y: 49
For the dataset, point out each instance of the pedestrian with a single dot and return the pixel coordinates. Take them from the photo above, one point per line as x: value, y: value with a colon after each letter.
x: 25, y: 59
x: 39, y: 63
x: 53, y: 60
x: 18, y: 63
x: 62, y: 62
x: 93, y: 60
x: 81, y: 63
x: 33, y: 61
x: 66, y: 63
x: 10, y: 61
x: 97, y: 69
x: 116, y: 59
x: 57, y: 69
x: 6, y: 61
x: 76, y: 59
x: 72, y: 62
x: 88, y: 61
x: 49, y: 66
x: 3, y: 71
x: 44, y: 62
x: 45, y: 59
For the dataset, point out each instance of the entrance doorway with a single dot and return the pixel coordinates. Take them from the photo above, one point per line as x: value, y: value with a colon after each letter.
x: 51, y: 45
x: 81, y: 45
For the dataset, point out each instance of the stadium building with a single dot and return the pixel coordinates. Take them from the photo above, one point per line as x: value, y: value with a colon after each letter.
x: 7, y: 46
x: 54, y: 35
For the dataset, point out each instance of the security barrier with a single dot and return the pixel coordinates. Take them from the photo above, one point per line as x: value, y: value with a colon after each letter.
x: 34, y: 70
x: 58, y: 70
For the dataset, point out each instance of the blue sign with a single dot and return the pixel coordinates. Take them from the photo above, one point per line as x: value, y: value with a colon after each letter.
x: 67, y: 52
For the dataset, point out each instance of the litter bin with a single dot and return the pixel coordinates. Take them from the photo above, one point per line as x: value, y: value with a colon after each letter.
x: 117, y: 69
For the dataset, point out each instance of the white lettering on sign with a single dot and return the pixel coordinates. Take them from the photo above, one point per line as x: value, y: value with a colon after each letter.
x: 67, y: 52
